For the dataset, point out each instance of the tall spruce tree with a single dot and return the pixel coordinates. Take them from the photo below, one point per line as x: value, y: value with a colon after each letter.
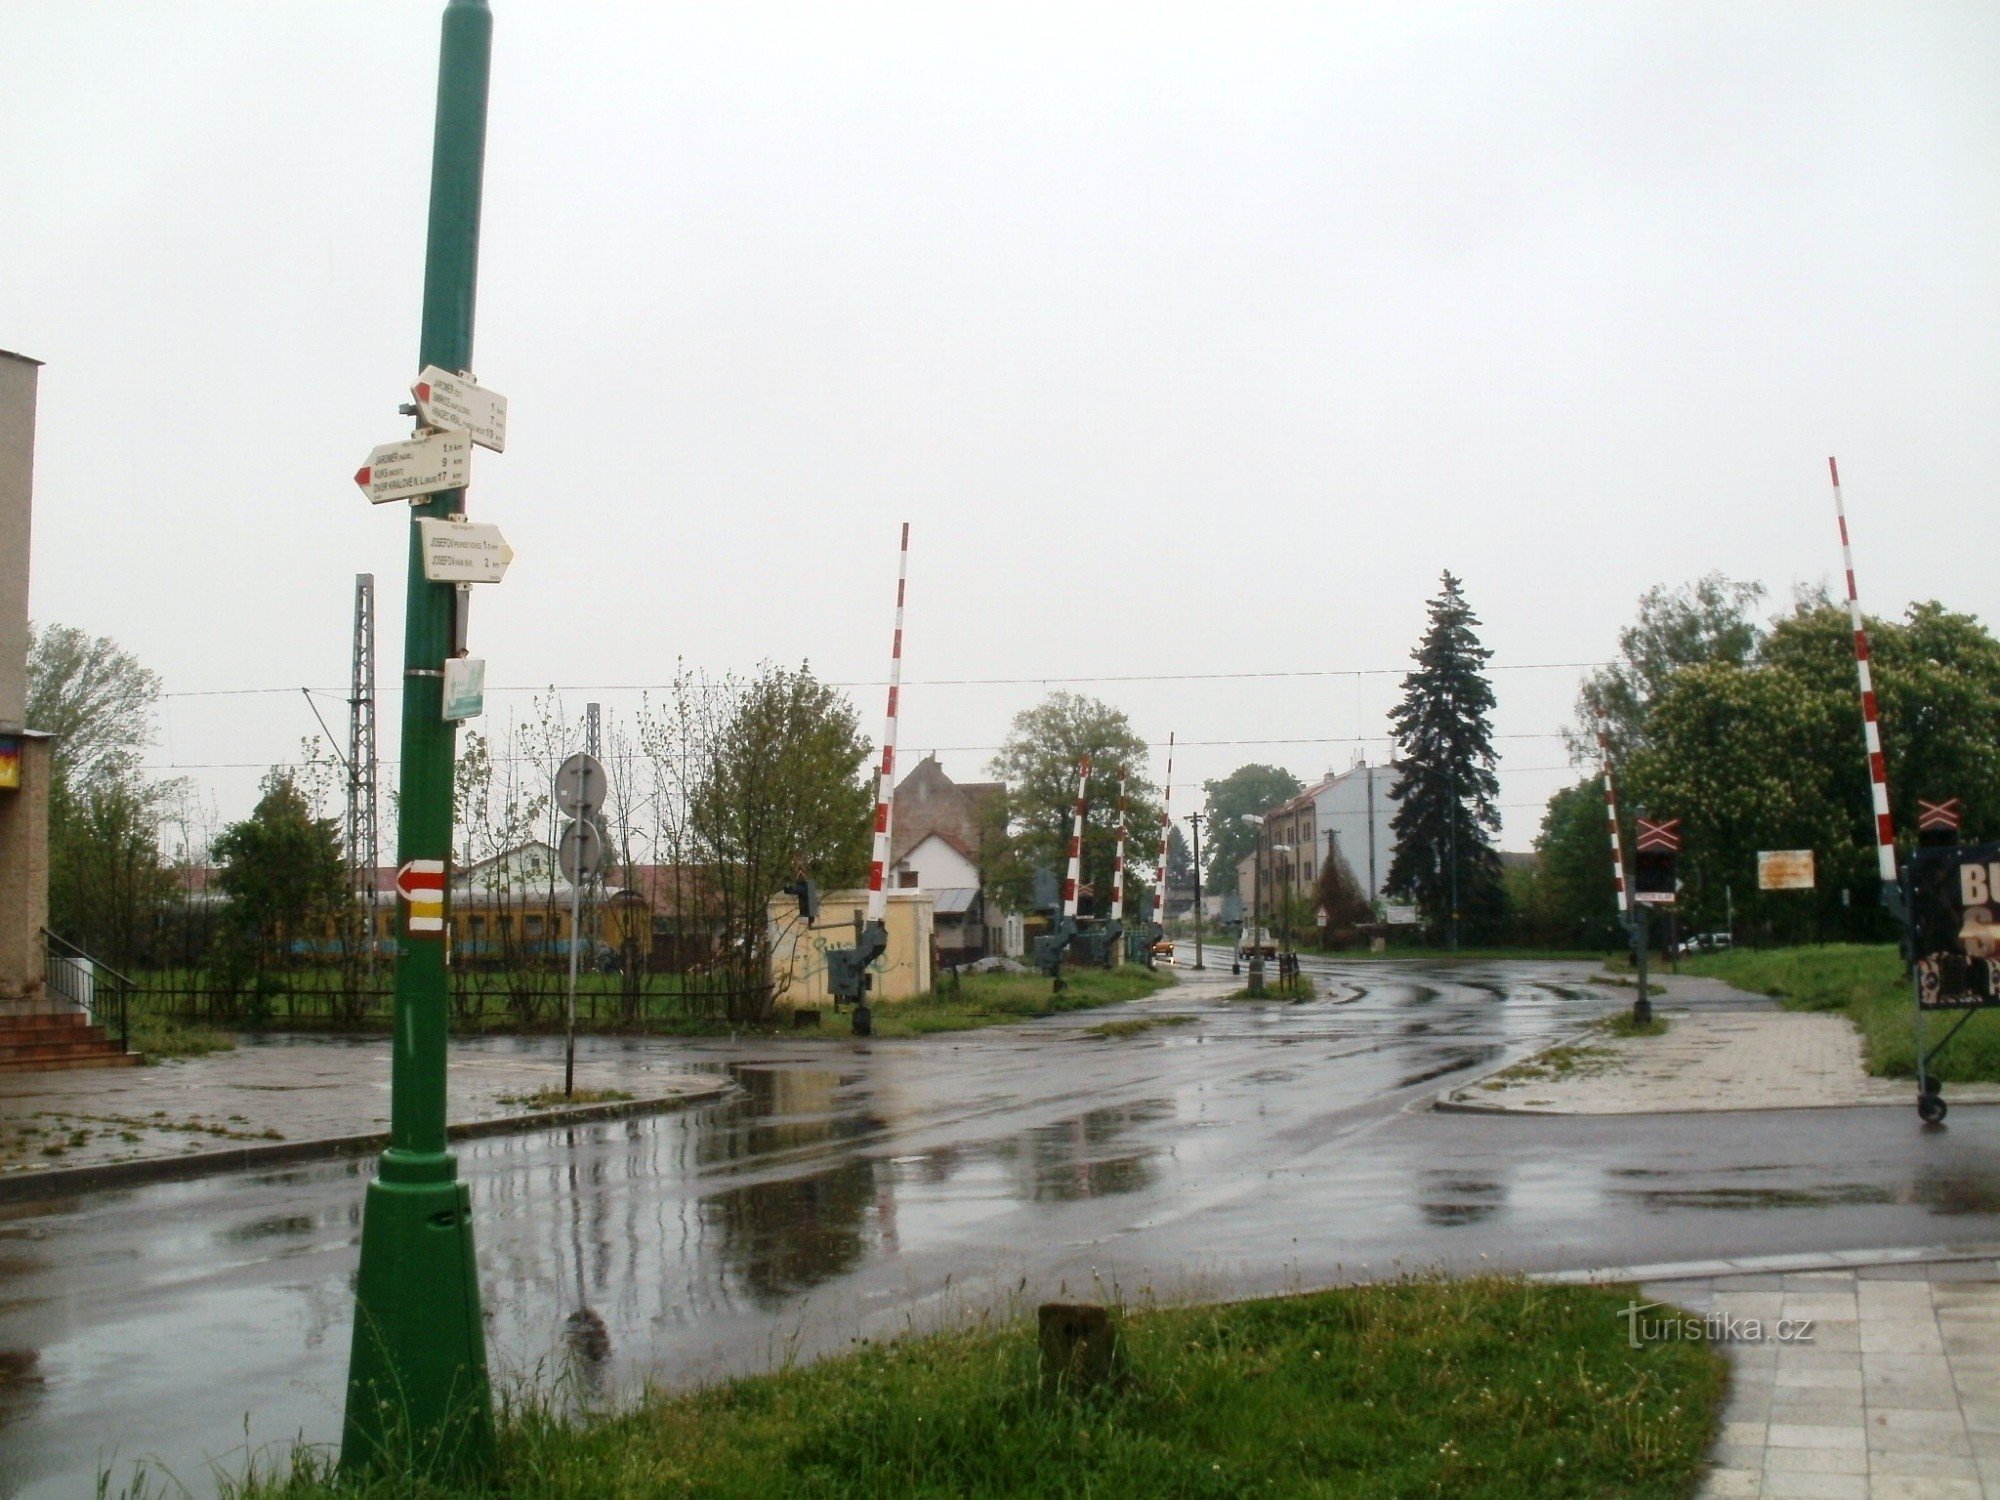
x: 1445, y: 814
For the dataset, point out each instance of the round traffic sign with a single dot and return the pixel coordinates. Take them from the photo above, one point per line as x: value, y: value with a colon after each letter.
x: 580, y: 851
x: 580, y: 785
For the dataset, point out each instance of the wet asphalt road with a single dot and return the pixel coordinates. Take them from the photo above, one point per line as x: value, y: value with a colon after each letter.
x: 857, y: 1189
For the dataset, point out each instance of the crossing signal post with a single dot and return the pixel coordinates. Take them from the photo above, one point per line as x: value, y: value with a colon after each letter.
x: 1654, y: 882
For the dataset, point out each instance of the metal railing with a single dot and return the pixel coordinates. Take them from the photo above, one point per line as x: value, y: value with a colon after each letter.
x: 94, y: 987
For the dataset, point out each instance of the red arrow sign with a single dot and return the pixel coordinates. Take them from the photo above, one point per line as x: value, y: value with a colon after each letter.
x: 1945, y: 814
x: 421, y: 883
x: 1664, y: 834
x: 421, y: 880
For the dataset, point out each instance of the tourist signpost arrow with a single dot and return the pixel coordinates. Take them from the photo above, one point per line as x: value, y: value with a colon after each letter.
x: 457, y: 403
x: 416, y: 467
x: 458, y: 551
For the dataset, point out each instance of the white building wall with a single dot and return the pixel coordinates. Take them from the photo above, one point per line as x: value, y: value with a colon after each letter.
x: 939, y: 867
x: 1345, y: 808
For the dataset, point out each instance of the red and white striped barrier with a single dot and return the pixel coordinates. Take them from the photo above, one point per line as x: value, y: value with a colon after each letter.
x: 1118, y: 856
x: 885, y: 782
x: 1076, y: 841
x: 1611, y: 817
x: 1871, y: 728
x: 1166, y: 828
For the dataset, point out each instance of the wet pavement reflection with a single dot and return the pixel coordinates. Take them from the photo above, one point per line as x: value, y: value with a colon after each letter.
x: 851, y: 1190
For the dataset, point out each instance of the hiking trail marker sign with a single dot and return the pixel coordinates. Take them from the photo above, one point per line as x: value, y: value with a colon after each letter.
x: 421, y: 885
x: 458, y: 403
x: 415, y: 467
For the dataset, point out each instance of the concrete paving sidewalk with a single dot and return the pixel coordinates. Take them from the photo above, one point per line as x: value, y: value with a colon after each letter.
x: 1883, y: 1381
x: 292, y: 1091
x: 1709, y: 1059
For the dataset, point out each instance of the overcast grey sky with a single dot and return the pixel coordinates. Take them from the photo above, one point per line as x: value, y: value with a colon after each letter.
x: 1191, y: 340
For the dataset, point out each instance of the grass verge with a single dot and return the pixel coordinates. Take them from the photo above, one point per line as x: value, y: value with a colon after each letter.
x: 1137, y: 1026
x: 1621, y: 1024
x: 1003, y: 999
x: 1866, y: 982
x: 1485, y: 1387
x: 160, y: 1035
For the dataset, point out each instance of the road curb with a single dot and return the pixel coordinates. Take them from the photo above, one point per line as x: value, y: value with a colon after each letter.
x: 57, y: 1182
x: 1753, y: 1265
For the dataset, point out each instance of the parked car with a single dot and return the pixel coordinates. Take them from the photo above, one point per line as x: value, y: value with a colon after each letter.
x: 1703, y: 942
x: 1256, y: 942
x: 1163, y: 952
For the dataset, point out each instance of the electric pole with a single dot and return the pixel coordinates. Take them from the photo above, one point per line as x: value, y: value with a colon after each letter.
x: 1195, y: 821
x: 417, y: 1373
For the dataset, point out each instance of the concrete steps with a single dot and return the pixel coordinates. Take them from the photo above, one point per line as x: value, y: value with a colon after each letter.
x: 33, y: 1041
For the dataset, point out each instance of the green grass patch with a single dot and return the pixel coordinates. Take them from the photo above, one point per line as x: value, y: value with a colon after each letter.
x: 160, y: 1035
x: 1486, y: 1387
x: 1004, y: 999
x: 1621, y: 1024
x: 1301, y: 988
x: 555, y: 1098
x: 1865, y: 982
x: 1136, y: 1026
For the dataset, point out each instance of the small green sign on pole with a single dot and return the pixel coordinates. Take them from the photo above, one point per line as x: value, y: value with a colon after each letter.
x: 417, y: 1388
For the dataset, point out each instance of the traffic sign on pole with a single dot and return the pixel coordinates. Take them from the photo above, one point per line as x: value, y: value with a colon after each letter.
x: 458, y: 403
x: 416, y: 467
x: 580, y: 851
x: 1944, y: 816
x: 1663, y: 834
x: 581, y: 785
x: 463, y: 551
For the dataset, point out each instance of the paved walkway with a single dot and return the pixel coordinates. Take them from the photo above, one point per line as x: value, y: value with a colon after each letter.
x: 271, y: 1090
x: 1887, y: 1388
x: 1709, y: 1059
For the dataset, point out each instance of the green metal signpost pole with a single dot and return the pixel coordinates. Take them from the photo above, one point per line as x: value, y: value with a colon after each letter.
x: 417, y: 1381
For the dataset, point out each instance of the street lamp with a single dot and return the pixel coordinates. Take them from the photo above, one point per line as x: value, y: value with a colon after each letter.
x: 1284, y: 915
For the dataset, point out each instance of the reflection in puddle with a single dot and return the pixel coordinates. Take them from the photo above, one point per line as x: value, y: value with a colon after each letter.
x: 1451, y: 1200
x: 1665, y: 1200
x: 1958, y: 1193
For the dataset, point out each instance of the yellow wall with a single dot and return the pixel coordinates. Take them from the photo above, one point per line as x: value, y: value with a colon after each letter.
x: 798, y: 963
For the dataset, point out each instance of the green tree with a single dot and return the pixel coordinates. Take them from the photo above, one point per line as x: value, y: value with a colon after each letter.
x: 1038, y: 762
x: 1340, y: 906
x: 1708, y: 620
x: 1254, y: 788
x: 1570, y: 899
x: 282, y: 870
x: 1446, y: 786
x: 781, y: 792
x: 106, y: 882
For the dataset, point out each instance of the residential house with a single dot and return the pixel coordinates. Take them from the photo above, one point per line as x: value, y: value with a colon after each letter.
x: 936, y: 831
x: 1344, y: 816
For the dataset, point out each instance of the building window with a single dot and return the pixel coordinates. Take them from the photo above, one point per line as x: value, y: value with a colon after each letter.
x: 531, y: 926
x: 906, y: 880
x: 478, y: 926
x: 1306, y: 872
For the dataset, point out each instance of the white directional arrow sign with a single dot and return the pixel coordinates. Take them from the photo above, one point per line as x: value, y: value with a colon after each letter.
x: 417, y: 467
x: 454, y: 402
x: 463, y: 551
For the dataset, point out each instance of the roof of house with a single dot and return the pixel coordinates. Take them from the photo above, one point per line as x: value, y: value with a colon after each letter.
x: 930, y: 804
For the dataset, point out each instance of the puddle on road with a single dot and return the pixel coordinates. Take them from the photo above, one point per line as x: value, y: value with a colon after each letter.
x: 1452, y: 1062
x: 1729, y: 1199
x: 1450, y: 1200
